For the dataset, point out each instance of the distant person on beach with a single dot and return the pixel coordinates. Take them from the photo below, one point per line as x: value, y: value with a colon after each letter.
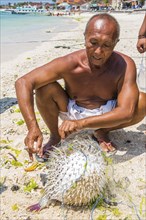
x: 100, y: 91
x: 141, y: 43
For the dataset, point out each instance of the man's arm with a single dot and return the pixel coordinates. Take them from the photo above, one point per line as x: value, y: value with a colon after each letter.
x: 123, y: 113
x: 24, y: 90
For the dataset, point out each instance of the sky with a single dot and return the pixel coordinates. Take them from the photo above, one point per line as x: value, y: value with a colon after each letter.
x: 16, y: 1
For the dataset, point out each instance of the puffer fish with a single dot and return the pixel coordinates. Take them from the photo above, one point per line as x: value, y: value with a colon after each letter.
x: 75, y: 173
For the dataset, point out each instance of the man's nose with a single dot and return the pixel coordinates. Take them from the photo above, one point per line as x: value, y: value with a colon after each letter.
x: 98, y: 49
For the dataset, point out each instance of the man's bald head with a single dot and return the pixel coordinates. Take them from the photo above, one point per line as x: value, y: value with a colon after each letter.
x: 105, y: 17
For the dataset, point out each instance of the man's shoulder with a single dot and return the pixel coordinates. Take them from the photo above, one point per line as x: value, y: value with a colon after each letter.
x: 71, y: 60
x: 74, y: 58
x: 121, y: 56
x: 78, y: 53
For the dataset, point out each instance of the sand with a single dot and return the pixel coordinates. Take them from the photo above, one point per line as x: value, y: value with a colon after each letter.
x: 128, y: 166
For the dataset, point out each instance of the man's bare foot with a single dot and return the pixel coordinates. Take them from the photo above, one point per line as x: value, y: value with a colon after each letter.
x: 104, y: 142
x: 49, y: 145
x: 53, y: 141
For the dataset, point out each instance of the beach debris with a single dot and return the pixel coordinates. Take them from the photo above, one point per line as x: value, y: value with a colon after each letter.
x: 31, y: 185
x: 32, y: 166
x: 16, y: 151
x: 15, y: 207
x: 3, y: 141
x: 2, y: 181
x: 102, y: 217
x: 20, y: 122
x: 28, y: 218
x: 15, y: 109
x: 12, y: 155
x: 75, y: 172
x: 15, y: 188
x: 3, y: 187
x: 127, y: 141
x: 6, y: 103
x: 16, y: 163
x: 64, y: 47
x: 142, y: 207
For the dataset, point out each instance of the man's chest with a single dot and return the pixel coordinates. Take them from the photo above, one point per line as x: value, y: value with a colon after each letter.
x: 89, y: 87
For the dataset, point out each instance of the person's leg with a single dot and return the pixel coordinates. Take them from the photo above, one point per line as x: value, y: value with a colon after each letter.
x: 102, y: 134
x: 50, y: 100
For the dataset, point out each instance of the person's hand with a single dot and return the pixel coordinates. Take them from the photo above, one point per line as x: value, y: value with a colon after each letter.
x: 33, y: 142
x: 141, y: 45
x: 68, y: 127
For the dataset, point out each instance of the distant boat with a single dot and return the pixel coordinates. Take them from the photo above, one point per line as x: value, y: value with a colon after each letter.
x: 6, y: 11
x: 29, y: 10
x: 19, y: 12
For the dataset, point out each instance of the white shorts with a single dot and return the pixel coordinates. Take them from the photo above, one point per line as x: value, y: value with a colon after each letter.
x: 76, y: 112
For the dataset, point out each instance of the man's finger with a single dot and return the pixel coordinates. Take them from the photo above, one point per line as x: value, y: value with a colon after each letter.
x: 32, y: 146
x: 39, y: 143
x: 62, y: 135
x: 30, y: 155
x: 39, y: 148
x: 61, y: 131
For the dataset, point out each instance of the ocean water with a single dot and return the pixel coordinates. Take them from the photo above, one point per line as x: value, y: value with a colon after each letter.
x: 20, y: 33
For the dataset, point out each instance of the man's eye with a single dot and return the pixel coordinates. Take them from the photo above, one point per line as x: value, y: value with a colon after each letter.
x: 106, y: 45
x: 94, y: 43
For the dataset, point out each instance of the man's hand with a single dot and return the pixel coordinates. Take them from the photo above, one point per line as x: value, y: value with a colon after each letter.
x: 68, y: 127
x: 34, y: 135
x: 141, y: 45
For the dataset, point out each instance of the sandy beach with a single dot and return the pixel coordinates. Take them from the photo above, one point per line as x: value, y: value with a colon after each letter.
x: 128, y: 162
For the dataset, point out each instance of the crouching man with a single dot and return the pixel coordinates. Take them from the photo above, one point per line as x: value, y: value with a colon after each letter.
x: 100, y: 90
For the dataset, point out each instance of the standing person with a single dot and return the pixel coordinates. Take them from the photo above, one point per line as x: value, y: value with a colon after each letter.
x: 100, y: 90
x: 141, y: 43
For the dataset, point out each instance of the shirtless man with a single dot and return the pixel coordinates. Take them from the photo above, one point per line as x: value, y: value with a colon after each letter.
x: 100, y: 90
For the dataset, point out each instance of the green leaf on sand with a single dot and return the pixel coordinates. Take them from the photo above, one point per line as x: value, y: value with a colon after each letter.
x: 20, y: 122
x: 5, y: 141
x: 16, y: 163
x: 16, y: 151
x: 15, y: 207
x: 30, y: 186
x: 142, y: 205
x: 17, y: 110
x: 102, y: 217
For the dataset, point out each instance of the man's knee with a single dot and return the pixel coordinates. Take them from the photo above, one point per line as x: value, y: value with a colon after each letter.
x: 142, y: 103
x: 47, y: 91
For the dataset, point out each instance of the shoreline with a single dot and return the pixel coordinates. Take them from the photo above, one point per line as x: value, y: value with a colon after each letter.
x: 78, y: 18
x: 29, y: 33
x: 39, y: 56
x: 128, y: 162
x: 53, y: 36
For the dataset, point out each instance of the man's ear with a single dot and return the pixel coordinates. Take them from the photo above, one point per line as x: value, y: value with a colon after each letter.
x: 117, y: 40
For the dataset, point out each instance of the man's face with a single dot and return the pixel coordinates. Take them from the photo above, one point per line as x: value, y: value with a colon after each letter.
x: 99, y: 41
